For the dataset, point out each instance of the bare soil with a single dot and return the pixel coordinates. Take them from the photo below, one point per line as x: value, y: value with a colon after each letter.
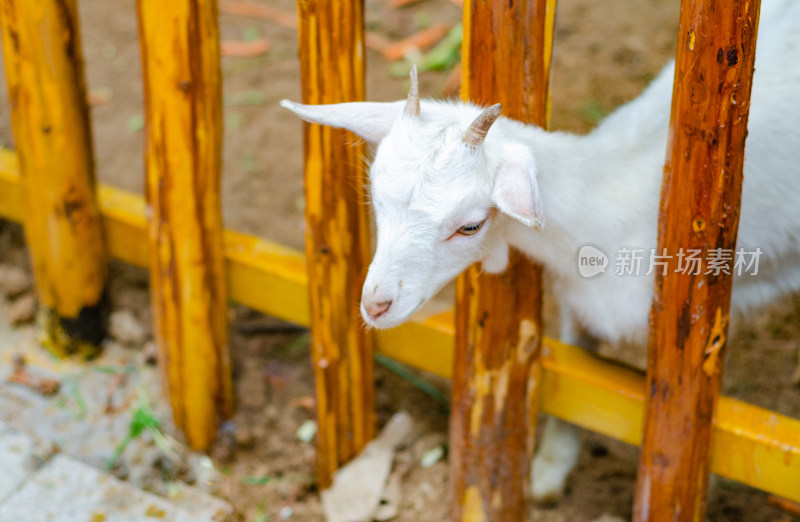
x: 606, y: 52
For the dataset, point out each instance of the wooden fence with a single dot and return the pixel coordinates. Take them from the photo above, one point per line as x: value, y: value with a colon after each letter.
x: 48, y: 184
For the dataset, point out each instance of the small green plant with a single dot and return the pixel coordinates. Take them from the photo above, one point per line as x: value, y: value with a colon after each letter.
x: 593, y: 111
x: 251, y: 480
x: 445, y: 55
x: 126, y: 369
x: 251, y: 34
x: 407, y: 375
x: 261, y: 514
x: 143, y: 419
x: 135, y: 123
x: 72, y: 391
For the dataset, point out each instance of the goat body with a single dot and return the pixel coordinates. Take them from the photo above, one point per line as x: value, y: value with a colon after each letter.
x: 442, y: 204
x: 601, y: 189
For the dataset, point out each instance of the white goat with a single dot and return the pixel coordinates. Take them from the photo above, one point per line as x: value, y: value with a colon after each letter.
x: 447, y: 194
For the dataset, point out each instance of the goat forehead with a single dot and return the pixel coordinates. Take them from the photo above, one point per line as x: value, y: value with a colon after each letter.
x: 421, y: 147
x: 432, y: 180
x: 425, y: 170
x: 429, y: 206
x: 444, y: 198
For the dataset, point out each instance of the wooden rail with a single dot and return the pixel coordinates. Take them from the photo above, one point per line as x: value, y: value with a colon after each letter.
x: 752, y: 445
x: 700, y: 203
x: 506, y: 59
x: 50, y: 120
x: 331, y: 36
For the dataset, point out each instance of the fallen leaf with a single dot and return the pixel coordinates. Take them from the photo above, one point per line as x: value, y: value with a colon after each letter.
x: 244, y: 49
x: 99, y: 96
x: 402, y: 3
x: 307, y: 402
x: 421, y: 40
x: 262, y: 12
x: 793, y: 508
x: 21, y: 376
x: 359, y: 486
x: 286, y: 19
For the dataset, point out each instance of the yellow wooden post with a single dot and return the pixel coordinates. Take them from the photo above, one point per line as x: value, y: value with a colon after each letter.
x: 331, y: 34
x: 700, y: 201
x: 506, y: 59
x: 183, y: 108
x: 50, y: 119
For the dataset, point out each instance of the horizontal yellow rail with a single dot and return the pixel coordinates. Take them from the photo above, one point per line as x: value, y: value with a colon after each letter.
x: 751, y: 445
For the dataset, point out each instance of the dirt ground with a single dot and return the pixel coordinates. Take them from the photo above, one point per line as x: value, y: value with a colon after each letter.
x: 605, y: 53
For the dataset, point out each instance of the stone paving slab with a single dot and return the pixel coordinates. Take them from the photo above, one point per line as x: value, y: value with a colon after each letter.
x: 67, y: 490
x: 75, y: 423
x: 20, y: 456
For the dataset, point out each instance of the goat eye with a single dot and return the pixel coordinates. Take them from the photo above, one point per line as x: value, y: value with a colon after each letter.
x: 471, y: 228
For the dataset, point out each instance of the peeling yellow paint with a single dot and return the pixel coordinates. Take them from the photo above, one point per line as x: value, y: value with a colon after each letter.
x: 716, y: 341
x: 154, y: 512
x: 528, y: 340
x: 481, y: 387
x: 502, y: 380
x: 473, y: 506
x: 497, y: 499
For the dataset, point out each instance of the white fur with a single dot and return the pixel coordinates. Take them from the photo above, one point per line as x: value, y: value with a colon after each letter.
x: 549, y: 193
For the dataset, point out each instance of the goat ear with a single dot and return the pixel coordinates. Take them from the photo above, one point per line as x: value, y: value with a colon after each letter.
x: 370, y: 120
x: 515, y: 191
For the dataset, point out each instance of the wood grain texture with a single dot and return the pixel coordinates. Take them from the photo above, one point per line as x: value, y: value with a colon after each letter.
x: 50, y: 120
x: 700, y: 201
x: 331, y: 35
x: 497, y: 369
x: 183, y: 108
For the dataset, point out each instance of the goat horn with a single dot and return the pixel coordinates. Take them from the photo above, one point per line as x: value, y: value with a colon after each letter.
x: 412, y: 104
x: 477, y: 131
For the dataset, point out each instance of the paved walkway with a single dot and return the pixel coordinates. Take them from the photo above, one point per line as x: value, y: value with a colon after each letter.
x: 53, y: 448
x: 37, y: 485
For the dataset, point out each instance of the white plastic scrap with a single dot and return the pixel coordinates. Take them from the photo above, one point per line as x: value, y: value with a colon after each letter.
x: 307, y: 430
x: 432, y: 456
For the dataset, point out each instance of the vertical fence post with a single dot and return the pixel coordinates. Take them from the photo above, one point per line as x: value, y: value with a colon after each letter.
x: 699, y: 210
x: 50, y: 119
x: 506, y: 59
x: 183, y: 108
x: 331, y: 34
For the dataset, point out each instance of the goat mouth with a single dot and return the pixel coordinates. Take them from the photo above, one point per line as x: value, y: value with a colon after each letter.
x: 392, y: 318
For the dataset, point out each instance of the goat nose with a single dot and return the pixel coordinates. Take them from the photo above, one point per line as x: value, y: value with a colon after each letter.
x: 376, y: 308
